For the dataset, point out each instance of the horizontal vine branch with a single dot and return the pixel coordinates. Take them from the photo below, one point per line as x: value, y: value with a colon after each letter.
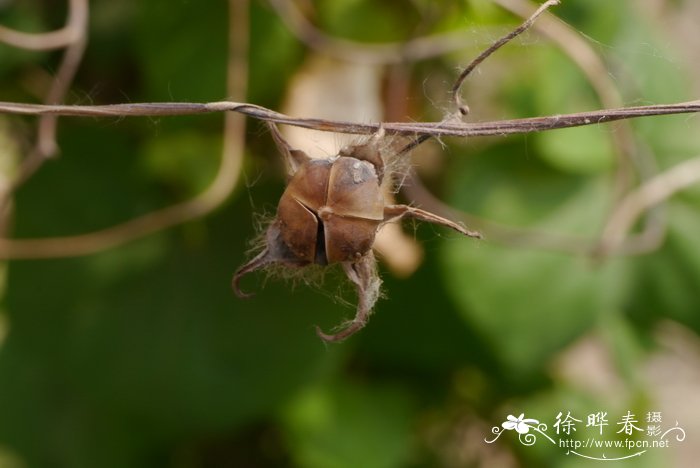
x: 438, y: 129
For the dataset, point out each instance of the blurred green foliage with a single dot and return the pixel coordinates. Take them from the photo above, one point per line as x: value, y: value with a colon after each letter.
x: 140, y: 356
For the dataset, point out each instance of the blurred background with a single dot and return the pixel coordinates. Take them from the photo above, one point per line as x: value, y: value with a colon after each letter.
x: 139, y: 355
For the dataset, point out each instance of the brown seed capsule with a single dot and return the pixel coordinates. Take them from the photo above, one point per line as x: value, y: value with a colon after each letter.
x: 331, y: 210
x: 330, y: 213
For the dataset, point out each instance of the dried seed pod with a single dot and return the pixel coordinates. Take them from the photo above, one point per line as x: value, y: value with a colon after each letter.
x: 329, y: 213
x: 331, y: 210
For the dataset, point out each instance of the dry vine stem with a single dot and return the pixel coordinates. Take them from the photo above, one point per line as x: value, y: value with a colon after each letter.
x: 361, y: 269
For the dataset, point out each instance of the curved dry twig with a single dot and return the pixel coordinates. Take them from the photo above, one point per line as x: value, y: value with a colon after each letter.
x: 73, y: 36
x: 462, y: 107
x: 636, y: 203
x: 72, y: 32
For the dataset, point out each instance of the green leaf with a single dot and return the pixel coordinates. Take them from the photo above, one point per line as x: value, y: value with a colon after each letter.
x: 669, y: 278
x: 181, y: 50
x: 528, y: 304
x: 186, y: 161
x: 350, y: 425
x: 582, y: 150
x: 366, y: 21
